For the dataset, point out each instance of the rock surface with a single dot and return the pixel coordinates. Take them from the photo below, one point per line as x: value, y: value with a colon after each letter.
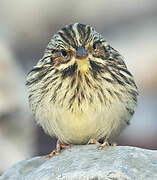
x: 88, y: 163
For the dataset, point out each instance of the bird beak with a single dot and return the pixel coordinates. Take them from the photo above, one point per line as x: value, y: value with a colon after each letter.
x: 81, y: 53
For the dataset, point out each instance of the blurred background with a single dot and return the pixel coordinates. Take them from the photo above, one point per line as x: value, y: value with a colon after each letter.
x: 25, y: 29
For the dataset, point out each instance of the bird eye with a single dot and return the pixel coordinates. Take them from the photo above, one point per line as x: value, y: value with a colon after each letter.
x: 94, y: 46
x: 64, y: 53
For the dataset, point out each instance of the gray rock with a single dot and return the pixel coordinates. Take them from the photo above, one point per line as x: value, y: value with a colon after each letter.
x: 88, y: 163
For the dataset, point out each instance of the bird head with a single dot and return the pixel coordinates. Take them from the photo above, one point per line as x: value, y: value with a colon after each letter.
x: 79, y: 46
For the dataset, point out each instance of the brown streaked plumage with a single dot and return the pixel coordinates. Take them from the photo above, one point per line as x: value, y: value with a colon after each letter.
x: 81, y: 88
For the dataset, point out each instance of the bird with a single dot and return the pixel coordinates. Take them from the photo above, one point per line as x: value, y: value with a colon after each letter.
x: 81, y: 90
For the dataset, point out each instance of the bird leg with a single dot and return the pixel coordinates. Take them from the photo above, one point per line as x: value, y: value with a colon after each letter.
x: 101, y: 146
x: 59, y: 147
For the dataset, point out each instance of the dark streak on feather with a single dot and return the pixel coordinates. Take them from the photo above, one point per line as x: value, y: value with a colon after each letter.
x: 95, y: 66
x: 109, y: 91
x: 66, y: 93
x: 69, y: 71
x: 72, y: 82
x: 131, y: 111
x: 59, y: 86
x: 99, y: 56
x: 35, y: 69
x: 40, y: 76
x: 64, y: 38
x: 102, y: 92
x: 124, y: 70
x: 117, y: 79
x: 82, y: 95
x: 100, y: 98
x: 54, y: 97
x: 87, y: 81
x: 87, y: 33
x: 79, y: 76
x: 118, y: 95
x: 108, y: 80
x: 69, y: 37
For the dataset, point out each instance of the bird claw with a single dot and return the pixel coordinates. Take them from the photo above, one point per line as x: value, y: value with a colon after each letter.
x: 93, y: 141
x: 51, y: 154
x: 104, y: 144
x: 59, y: 147
x: 101, y: 146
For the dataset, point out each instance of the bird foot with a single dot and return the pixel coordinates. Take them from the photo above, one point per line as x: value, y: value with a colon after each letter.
x: 58, y: 149
x: 106, y: 143
x: 101, y: 146
x: 93, y: 141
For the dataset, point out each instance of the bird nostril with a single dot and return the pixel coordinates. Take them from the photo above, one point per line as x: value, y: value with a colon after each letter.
x: 81, y: 51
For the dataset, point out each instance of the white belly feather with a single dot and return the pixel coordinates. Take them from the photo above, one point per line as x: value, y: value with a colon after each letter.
x: 96, y: 121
